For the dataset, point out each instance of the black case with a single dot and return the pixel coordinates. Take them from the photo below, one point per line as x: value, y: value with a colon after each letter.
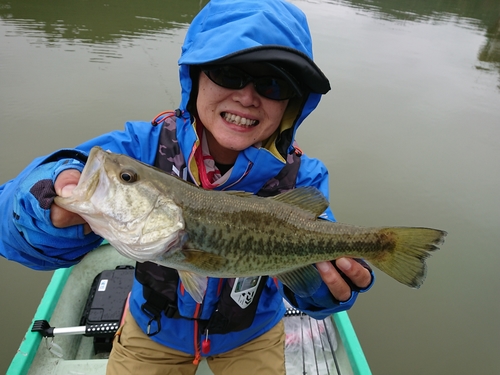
x: 105, y: 305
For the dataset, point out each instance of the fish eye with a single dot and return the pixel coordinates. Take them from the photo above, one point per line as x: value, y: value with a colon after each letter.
x: 128, y: 176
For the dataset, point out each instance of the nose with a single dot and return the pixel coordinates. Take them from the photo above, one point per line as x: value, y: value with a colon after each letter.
x: 247, y: 95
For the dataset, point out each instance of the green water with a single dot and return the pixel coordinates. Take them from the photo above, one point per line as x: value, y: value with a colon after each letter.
x: 410, y: 133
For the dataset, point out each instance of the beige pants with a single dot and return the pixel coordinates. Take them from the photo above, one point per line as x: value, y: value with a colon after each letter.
x: 135, y: 353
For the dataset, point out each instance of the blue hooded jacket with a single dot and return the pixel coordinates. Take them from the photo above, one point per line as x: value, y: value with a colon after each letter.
x: 223, y: 31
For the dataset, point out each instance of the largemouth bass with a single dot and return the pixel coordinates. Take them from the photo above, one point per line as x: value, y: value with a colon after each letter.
x: 149, y: 215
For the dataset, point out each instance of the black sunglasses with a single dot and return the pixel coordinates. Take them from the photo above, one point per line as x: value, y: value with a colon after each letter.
x: 270, y: 87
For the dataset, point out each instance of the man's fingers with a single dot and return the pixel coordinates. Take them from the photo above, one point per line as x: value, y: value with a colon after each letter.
x: 66, y: 182
x: 355, y: 272
x: 340, y: 290
x: 358, y: 274
x: 64, y: 186
x: 62, y: 218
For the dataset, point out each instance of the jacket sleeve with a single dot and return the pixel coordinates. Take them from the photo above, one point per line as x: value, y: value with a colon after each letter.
x: 27, y: 235
x: 321, y: 304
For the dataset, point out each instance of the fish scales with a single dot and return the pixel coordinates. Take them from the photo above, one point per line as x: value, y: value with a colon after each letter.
x: 148, y: 215
x: 263, y: 235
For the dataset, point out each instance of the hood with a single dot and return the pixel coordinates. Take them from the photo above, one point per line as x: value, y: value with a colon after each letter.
x: 273, y: 30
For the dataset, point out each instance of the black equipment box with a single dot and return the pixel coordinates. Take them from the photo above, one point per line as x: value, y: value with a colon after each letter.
x: 105, y: 305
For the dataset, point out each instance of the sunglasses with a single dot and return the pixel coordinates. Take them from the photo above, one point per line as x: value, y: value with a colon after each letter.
x: 270, y: 87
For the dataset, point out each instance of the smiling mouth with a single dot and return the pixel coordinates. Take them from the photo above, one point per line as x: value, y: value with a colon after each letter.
x: 238, y: 120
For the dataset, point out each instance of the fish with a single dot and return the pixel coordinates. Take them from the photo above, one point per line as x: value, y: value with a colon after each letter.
x: 149, y: 215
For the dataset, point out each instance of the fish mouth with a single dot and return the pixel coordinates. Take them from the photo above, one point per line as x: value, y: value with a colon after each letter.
x: 239, y: 120
x: 87, y: 184
x: 94, y: 162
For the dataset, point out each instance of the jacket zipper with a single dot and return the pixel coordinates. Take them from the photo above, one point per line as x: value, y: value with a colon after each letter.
x: 197, y: 354
x: 199, y: 343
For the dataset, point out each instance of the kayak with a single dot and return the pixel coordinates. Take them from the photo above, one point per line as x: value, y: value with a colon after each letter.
x: 311, y: 347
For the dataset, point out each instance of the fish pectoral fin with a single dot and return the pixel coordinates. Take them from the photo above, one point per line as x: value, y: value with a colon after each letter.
x: 307, y: 198
x: 203, y: 260
x: 195, y: 284
x: 303, y: 281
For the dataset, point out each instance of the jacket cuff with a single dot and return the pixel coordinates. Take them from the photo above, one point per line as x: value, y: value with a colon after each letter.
x: 32, y: 201
x: 319, y: 305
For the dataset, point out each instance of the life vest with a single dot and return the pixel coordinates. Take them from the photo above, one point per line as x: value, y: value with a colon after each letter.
x: 160, y: 284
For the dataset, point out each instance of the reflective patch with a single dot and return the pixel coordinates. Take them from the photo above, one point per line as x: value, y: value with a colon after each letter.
x: 244, y: 290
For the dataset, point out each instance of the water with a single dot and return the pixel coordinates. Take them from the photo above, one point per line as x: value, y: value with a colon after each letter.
x: 410, y: 133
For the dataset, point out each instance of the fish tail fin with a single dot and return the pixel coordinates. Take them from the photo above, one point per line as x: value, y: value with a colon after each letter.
x: 406, y: 261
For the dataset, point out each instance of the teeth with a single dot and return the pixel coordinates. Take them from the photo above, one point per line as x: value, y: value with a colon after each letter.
x: 238, y: 120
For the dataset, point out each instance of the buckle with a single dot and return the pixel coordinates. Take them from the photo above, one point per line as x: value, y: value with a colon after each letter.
x: 155, y: 317
x: 170, y: 311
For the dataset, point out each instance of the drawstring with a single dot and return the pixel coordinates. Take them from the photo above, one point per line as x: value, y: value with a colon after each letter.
x: 297, y: 151
x: 161, y: 116
x: 205, y: 345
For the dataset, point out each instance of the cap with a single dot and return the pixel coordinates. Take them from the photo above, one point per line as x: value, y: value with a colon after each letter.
x: 296, y: 63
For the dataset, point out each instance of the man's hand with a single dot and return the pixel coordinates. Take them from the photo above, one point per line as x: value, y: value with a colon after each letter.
x: 64, y: 185
x: 340, y: 289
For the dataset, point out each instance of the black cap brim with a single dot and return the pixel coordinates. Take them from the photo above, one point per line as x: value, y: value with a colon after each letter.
x: 299, y: 65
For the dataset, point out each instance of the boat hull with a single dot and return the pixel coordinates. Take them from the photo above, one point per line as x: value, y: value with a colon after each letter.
x: 64, y: 301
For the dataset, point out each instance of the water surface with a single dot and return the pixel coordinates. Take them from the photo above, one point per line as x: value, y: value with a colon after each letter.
x: 410, y: 133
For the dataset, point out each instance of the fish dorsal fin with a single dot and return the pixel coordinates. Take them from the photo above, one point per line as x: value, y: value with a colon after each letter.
x: 303, y: 281
x: 239, y: 193
x: 195, y: 284
x: 307, y: 198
